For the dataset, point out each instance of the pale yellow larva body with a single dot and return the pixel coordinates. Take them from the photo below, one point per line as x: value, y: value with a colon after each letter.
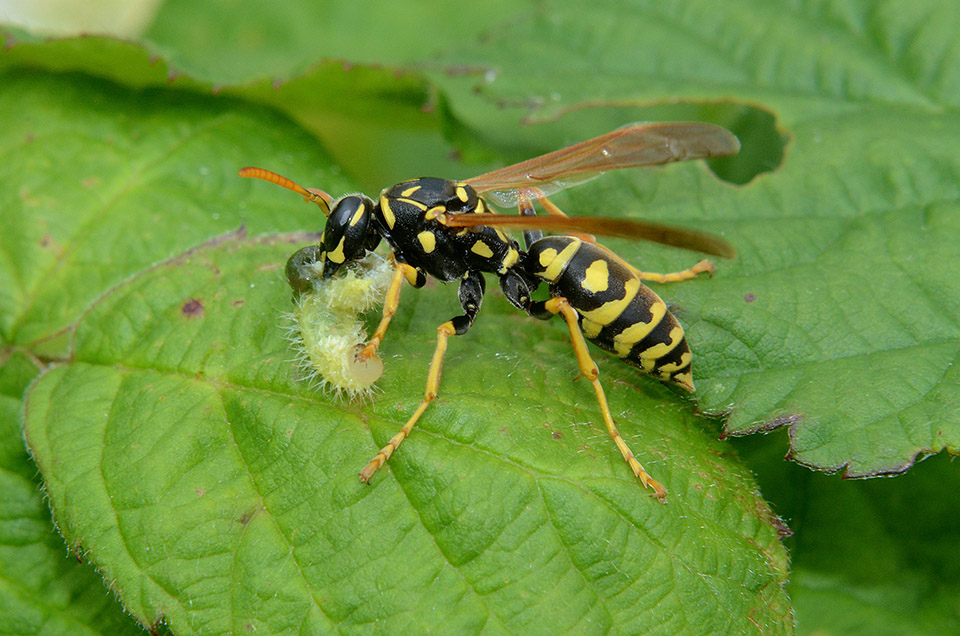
x: 329, y: 327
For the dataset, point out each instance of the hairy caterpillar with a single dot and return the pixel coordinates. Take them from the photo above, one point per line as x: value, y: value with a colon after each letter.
x: 327, y: 320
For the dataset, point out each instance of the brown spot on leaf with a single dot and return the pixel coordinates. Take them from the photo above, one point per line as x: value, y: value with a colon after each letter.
x: 239, y: 302
x: 557, y: 435
x: 201, y: 492
x: 193, y: 308
x: 766, y: 427
x: 749, y: 298
x: 248, y: 516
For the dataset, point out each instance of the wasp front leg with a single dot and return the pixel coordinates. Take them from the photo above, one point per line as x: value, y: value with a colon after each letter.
x: 560, y: 305
x: 471, y: 297
x: 390, y: 303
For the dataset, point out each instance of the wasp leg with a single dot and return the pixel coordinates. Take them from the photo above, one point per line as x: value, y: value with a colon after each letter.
x: 672, y: 277
x: 471, y: 296
x: 560, y: 305
x: 525, y: 205
x: 390, y: 304
x: 550, y: 208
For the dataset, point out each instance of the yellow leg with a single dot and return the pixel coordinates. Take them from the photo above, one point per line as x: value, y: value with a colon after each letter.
x: 444, y: 331
x: 390, y: 304
x: 589, y: 370
x: 673, y: 277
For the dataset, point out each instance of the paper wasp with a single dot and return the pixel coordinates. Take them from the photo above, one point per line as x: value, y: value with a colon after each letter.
x: 445, y: 229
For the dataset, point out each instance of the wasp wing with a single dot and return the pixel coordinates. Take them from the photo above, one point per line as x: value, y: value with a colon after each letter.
x: 631, y: 146
x: 624, y: 228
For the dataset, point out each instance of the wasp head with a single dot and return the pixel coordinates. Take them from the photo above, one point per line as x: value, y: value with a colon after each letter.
x: 349, y: 234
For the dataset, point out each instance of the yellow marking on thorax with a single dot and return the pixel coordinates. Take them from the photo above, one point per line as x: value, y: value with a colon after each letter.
x: 623, y: 342
x: 553, y: 262
x: 420, y: 206
x: 427, y: 240
x: 661, y: 349
x: 481, y: 249
x: 409, y: 191
x: 597, y: 277
x: 434, y: 212
x: 462, y: 193
x: 481, y: 207
x: 387, y: 212
x: 358, y: 214
x: 595, y: 319
x: 509, y: 260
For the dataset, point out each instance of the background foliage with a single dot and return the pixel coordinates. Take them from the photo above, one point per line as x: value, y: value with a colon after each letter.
x: 144, y: 362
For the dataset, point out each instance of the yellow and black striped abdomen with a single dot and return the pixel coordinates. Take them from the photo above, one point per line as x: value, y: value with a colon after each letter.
x: 617, y: 311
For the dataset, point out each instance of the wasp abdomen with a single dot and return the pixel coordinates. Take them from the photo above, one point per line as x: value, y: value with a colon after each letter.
x: 617, y: 311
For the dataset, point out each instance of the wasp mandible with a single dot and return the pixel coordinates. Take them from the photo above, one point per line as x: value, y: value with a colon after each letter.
x: 446, y: 229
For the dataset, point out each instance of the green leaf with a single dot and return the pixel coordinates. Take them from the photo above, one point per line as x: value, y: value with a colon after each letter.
x: 43, y: 589
x: 216, y: 491
x: 868, y: 557
x: 102, y: 183
x: 231, y: 42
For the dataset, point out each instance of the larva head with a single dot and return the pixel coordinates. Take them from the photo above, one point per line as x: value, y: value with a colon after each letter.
x: 349, y: 233
x: 304, y: 269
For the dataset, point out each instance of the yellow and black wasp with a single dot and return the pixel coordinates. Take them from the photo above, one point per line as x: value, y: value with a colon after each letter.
x: 445, y: 229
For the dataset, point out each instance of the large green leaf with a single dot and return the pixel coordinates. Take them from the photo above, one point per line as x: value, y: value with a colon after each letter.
x: 43, y: 589
x: 867, y: 557
x: 221, y: 496
x: 184, y: 355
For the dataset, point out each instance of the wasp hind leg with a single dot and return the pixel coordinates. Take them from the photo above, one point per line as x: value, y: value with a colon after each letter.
x: 471, y: 296
x: 588, y: 368
x: 673, y: 277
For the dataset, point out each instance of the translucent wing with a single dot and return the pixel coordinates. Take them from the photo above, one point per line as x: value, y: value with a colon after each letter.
x: 625, y: 228
x: 631, y: 146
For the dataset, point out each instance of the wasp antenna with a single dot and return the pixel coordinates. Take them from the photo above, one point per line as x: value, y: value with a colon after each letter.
x: 321, y: 198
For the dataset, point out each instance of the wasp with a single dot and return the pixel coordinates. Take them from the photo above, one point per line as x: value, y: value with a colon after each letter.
x: 446, y: 229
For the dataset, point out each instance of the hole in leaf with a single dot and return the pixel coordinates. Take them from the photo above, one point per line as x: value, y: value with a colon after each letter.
x: 761, y: 144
